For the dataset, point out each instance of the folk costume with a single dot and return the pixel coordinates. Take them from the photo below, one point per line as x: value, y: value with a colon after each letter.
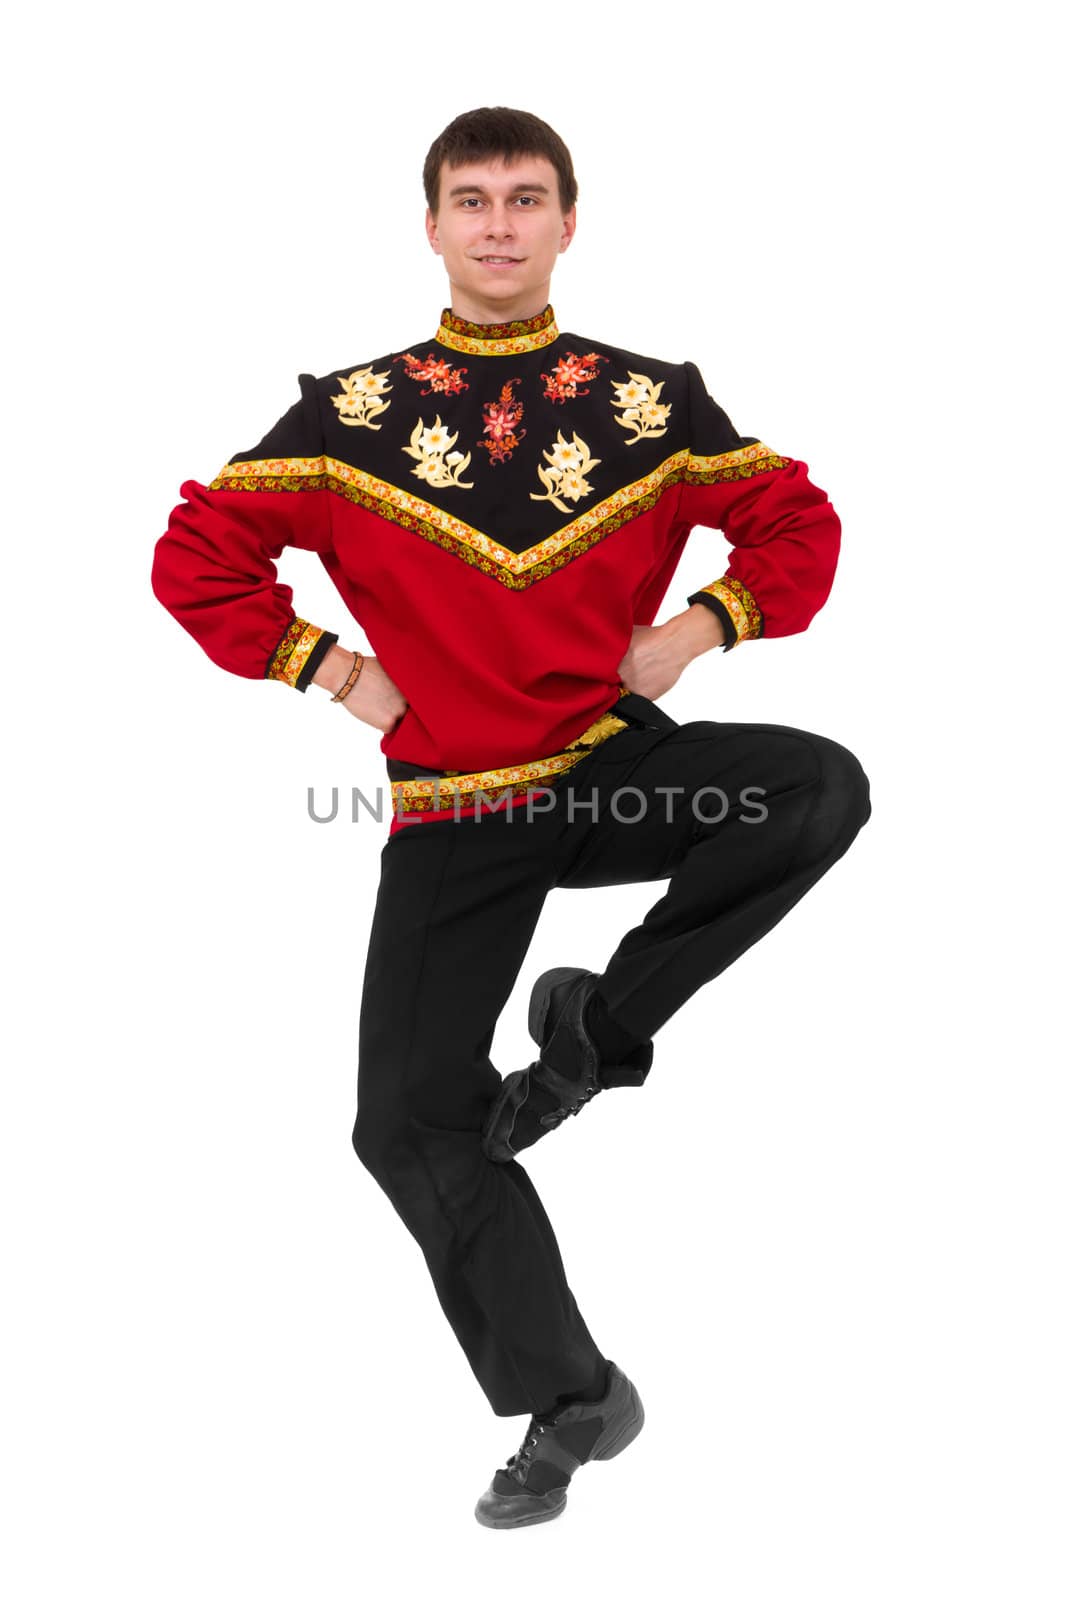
x: 498, y: 507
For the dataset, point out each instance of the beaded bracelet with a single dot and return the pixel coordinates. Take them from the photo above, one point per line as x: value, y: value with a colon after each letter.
x: 357, y: 667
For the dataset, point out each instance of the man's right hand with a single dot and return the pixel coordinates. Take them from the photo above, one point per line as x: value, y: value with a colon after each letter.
x: 374, y: 698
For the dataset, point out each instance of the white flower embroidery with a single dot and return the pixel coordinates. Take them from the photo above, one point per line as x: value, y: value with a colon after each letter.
x: 371, y: 382
x: 565, y: 472
x: 433, y: 440
x: 564, y: 454
x: 428, y: 446
x: 630, y: 394
x: 643, y: 415
x: 361, y: 398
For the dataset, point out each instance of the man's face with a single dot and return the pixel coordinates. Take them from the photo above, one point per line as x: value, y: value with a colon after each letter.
x: 499, y: 230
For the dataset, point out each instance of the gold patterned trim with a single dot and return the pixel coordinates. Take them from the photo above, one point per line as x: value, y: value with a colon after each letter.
x: 497, y: 330
x: 284, y: 475
x: 745, y: 614
x: 455, y: 789
x: 497, y: 338
x: 732, y: 464
x: 291, y: 655
x: 513, y: 570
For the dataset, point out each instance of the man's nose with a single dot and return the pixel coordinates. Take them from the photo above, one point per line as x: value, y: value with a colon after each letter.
x: 498, y: 224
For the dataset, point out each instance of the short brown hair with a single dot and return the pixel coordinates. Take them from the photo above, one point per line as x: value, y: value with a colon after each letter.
x: 497, y: 131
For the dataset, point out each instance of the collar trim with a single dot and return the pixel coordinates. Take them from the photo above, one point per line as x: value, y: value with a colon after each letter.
x: 497, y: 338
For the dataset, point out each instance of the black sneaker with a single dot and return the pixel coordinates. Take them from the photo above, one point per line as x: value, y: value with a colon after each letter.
x: 533, y: 1485
x: 536, y: 1099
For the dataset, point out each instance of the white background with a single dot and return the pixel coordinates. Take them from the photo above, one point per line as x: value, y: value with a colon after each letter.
x: 827, y: 1240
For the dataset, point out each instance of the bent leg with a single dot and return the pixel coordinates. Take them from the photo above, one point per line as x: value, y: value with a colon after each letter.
x: 759, y: 813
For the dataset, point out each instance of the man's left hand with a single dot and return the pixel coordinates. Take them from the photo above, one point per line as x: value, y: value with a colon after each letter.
x: 659, y: 655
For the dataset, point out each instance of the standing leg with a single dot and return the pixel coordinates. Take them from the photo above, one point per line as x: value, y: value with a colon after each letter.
x: 457, y: 905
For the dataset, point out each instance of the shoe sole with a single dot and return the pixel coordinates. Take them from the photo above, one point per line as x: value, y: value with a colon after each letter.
x: 522, y: 1522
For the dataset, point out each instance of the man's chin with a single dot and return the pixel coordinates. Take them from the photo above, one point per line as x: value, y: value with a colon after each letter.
x: 499, y: 292
x: 501, y: 285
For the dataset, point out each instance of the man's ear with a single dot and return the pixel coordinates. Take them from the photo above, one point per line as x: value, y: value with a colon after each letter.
x: 570, y: 222
x: 431, y: 232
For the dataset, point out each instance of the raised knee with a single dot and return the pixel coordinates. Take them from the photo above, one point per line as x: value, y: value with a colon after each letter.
x: 844, y: 803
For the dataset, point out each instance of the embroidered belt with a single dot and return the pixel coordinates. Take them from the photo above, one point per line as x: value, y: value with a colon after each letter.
x: 446, y: 795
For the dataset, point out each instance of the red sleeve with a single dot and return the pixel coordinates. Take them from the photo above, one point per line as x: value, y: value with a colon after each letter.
x: 785, y: 533
x: 214, y: 566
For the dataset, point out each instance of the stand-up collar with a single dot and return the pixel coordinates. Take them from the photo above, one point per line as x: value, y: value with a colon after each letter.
x: 497, y: 338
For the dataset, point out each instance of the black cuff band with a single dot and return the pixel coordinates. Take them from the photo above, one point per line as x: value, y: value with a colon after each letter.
x: 314, y: 661
x: 713, y: 603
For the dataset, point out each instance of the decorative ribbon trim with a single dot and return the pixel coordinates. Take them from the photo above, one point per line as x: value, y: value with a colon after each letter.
x: 497, y: 338
x: 514, y: 570
x: 731, y: 464
x: 745, y: 614
x: 291, y: 654
x: 446, y: 794
x: 497, y: 330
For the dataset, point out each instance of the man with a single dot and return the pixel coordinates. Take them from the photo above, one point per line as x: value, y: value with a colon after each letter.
x: 502, y: 507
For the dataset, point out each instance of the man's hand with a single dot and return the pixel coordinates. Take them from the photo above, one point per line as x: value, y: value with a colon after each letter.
x: 659, y: 655
x: 373, y: 699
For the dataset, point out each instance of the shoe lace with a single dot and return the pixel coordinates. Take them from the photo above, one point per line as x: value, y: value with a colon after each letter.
x: 520, y: 1463
x: 551, y: 1118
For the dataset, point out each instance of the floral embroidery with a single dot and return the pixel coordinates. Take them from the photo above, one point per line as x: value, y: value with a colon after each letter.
x: 497, y: 330
x: 429, y: 446
x: 642, y: 413
x: 565, y: 473
x: 442, y: 376
x: 516, y: 570
x: 745, y: 614
x: 501, y: 418
x: 362, y: 398
x: 729, y: 465
x: 497, y: 338
x: 562, y: 382
x: 499, y: 783
x: 293, y: 649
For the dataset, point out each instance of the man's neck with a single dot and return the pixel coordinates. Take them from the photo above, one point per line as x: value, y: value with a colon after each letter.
x: 472, y: 308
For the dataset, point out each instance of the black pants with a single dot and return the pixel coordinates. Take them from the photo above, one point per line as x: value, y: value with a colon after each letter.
x: 457, y: 905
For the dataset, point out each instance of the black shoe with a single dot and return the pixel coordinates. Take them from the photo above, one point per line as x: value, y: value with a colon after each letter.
x: 533, y: 1485
x: 557, y: 1019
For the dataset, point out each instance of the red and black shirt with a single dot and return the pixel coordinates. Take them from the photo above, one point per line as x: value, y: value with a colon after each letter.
x: 498, y: 507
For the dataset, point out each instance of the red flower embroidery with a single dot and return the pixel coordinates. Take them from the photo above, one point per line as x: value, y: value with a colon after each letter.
x: 562, y: 383
x: 501, y: 418
x: 442, y: 376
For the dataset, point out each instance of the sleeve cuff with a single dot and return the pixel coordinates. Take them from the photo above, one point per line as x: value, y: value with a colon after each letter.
x: 299, y: 654
x: 735, y: 606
